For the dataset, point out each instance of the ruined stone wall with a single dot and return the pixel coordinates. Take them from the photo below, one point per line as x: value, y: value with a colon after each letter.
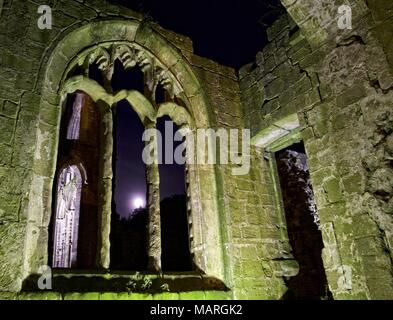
x: 243, y: 233
x: 340, y: 89
x: 339, y: 86
x: 257, y: 254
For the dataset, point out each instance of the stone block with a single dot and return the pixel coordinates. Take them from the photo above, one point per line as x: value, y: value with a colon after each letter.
x: 45, y: 295
x: 298, y: 52
x: 351, y: 95
x: 12, y: 240
x: 270, y: 63
x: 8, y: 90
x: 192, y: 295
x: 30, y: 103
x: 236, y: 231
x: 15, y: 61
x: 217, y: 295
x: 380, y: 290
x: 278, y: 26
x: 270, y: 106
x: 333, y: 189
x: 25, y: 81
x: 25, y: 134
x: 359, y: 226
x: 82, y: 296
x: 5, y: 154
x: 320, y: 175
x: 77, y: 10
x: 303, y: 85
x: 321, y: 128
x: 252, y: 268
x: 140, y: 296
x: 380, y: 181
x: 49, y: 113
x: 9, y: 109
x: 286, y: 97
x: 309, y: 60
x: 114, y: 296
x: 6, y: 129
x: 274, y: 88
x: 61, y: 20
x: 354, y: 183
x: 166, y: 296
x: 308, y: 134
x: 8, y: 295
x: 259, y: 59
x: 369, y: 246
x: 251, y: 232
x: 9, y: 206
x: 281, y: 56
x: 331, y: 212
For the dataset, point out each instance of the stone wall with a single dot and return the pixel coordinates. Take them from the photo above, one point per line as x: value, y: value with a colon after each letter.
x: 29, y: 122
x: 339, y: 85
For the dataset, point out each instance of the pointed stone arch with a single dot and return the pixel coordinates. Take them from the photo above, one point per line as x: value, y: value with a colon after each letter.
x: 52, y: 80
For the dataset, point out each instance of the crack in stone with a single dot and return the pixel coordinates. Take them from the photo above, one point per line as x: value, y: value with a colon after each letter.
x: 355, y: 39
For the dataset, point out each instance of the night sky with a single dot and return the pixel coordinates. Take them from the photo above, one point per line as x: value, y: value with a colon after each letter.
x: 130, y: 177
x: 230, y: 32
x: 129, y: 169
x: 172, y: 176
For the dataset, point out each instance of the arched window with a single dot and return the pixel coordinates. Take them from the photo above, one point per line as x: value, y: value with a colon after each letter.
x: 77, y: 192
x: 64, y: 76
x: 131, y: 216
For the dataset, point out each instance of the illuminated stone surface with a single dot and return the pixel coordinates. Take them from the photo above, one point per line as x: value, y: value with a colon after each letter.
x: 338, y: 83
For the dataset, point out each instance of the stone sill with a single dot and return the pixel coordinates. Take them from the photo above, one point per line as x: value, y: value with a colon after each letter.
x: 52, y: 295
x: 138, y: 282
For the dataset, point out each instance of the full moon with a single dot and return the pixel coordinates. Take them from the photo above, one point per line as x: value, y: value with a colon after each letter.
x: 138, y: 203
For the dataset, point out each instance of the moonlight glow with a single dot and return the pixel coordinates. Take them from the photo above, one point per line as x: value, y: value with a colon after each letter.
x: 138, y: 203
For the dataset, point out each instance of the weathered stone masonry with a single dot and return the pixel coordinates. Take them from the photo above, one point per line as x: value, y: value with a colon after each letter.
x: 334, y: 85
x: 338, y: 85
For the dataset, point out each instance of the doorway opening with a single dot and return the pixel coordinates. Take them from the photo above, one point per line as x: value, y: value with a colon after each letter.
x: 302, y: 220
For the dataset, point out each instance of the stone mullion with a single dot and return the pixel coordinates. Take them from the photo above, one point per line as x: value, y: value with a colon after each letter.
x: 105, y: 186
x: 153, y: 207
x: 189, y: 214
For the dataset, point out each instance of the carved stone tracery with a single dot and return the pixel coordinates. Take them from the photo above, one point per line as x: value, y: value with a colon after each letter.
x: 130, y: 55
x: 155, y: 75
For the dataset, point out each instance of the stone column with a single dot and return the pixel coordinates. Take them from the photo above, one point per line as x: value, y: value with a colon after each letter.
x: 105, y: 188
x: 153, y: 207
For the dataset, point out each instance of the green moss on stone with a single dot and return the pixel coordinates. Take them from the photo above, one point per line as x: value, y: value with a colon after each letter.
x: 353, y: 183
x: 166, y: 296
x: 333, y: 189
x: 115, y: 296
x: 39, y: 296
x: 82, y: 296
x: 192, y: 295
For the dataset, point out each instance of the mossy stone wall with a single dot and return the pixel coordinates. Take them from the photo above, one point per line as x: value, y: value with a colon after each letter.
x: 339, y: 84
